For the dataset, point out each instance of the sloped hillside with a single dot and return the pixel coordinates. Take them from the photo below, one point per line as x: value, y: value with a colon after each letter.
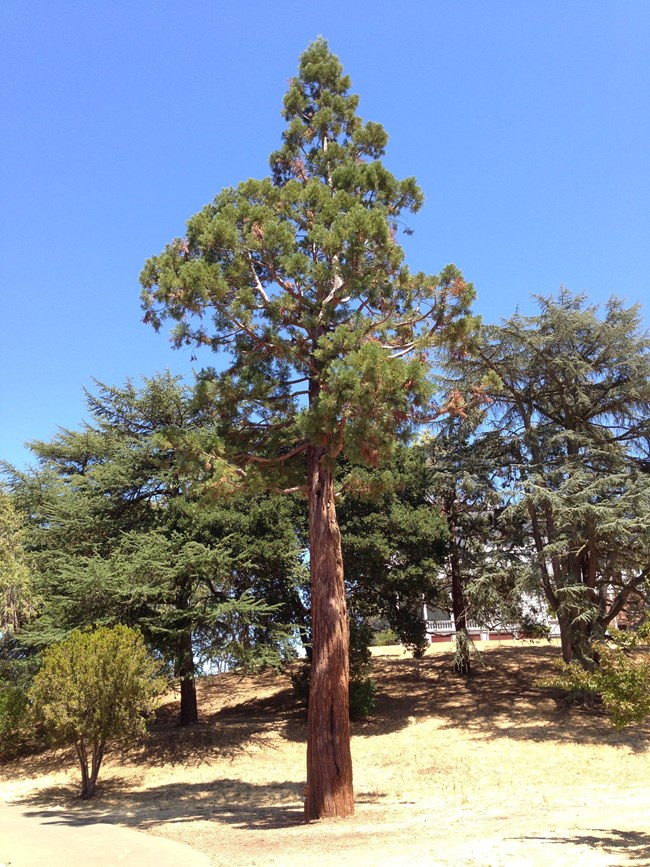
x: 486, y: 772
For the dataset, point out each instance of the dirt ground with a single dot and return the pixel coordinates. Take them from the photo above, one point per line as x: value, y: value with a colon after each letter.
x: 493, y: 771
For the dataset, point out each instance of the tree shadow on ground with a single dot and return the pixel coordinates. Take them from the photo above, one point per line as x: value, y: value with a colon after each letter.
x: 226, y: 732
x: 227, y: 728
x: 230, y: 722
x: 244, y: 805
x: 502, y: 699
x: 635, y: 845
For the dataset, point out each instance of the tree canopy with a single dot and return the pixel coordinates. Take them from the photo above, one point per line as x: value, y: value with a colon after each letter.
x: 116, y: 534
x: 574, y: 400
x: 16, y: 591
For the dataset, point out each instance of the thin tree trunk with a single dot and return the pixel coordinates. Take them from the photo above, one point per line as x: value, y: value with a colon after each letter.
x: 566, y: 636
x: 462, y: 663
x: 461, y: 657
x: 98, y: 755
x: 189, y: 714
x: 87, y: 784
x: 329, y: 763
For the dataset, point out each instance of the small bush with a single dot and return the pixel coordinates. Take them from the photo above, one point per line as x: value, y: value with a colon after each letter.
x: 300, y: 681
x: 384, y: 638
x: 95, y: 687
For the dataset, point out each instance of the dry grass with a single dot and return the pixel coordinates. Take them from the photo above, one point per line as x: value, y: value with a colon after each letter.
x: 491, y: 771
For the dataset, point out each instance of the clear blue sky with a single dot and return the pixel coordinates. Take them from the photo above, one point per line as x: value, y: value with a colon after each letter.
x: 526, y: 122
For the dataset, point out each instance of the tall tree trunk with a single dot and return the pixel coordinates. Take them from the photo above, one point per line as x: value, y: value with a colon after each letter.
x: 189, y: 715
x: 329, y: 762
x: 461, y: 657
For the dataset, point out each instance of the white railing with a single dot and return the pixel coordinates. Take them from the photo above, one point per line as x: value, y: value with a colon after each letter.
x: 448, y: 627
x: 477, y: 630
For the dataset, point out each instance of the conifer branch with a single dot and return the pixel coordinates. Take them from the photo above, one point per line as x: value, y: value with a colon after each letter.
x: 255, y: 459
x: 258, y: 282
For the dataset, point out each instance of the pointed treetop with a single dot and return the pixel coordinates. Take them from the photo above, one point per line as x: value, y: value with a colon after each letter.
x: 324, y: 129
x: 301, y: 278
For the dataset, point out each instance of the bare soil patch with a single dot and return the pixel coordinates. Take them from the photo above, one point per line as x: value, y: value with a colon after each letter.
x: 490, y: 771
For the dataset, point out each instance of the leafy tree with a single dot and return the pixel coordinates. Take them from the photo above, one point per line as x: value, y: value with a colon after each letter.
x: 300, y: 278
x: 480, y: 574
x: 574, y: 401
x: 17, y: 607
x: 117, y: 536
x: 93, y: 688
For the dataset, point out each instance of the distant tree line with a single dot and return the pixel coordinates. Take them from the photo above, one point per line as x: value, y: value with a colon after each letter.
x: 537, y: 482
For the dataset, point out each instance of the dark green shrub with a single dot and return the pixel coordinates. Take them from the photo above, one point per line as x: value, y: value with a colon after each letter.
x: 300, y: 680
x: 362, y: 698
x: 15, y: 726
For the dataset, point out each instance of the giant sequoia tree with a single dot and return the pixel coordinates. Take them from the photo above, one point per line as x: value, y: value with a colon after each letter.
x: 300, y: 278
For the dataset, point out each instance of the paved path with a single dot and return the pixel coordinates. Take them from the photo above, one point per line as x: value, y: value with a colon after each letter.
x: 54, y: 838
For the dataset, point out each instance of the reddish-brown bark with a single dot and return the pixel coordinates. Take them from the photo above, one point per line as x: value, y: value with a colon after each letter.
x: 329, y: 762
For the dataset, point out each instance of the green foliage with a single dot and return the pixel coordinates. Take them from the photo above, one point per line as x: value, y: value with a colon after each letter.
x: 299, y: 277
x: 16, y: 592
x: 531, y: 627
x: 360, y: 655
x: 384, y: 638
x: 363, y: 692
x: 15, y: 722
x: 573, y: 404
x: 116, y: 533
x: 362, y: 686
x: 393, y: 544
x: 96, y: 684
x: 481, y: 572
x: 621, y: 678
x: 95, y: 687
x: 414, y: 637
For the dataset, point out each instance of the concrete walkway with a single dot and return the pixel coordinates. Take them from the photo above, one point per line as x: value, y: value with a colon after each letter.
x: 54, y: 838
